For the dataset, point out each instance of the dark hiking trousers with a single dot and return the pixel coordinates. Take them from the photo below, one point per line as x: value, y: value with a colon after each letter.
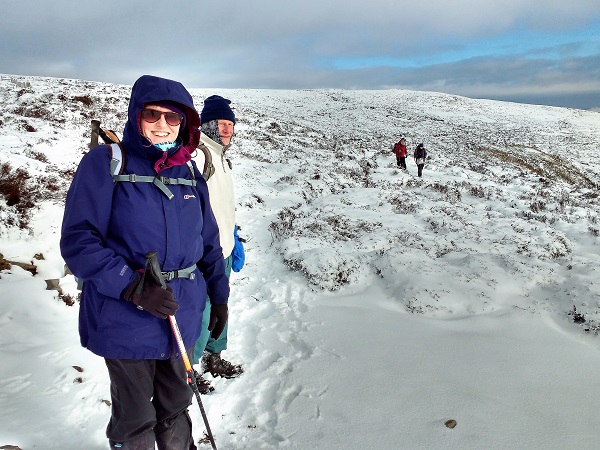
x: 401, y: 161
x: 420, y: 169
x: 149, y: 404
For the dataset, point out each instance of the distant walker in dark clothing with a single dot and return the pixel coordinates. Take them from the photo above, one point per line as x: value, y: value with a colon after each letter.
x: 420, y: 156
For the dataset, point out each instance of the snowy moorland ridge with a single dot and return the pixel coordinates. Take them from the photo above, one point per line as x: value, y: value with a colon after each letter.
x: 374, y: 306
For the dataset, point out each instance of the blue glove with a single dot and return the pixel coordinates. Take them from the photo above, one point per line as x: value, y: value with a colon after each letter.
x: 237, y: 256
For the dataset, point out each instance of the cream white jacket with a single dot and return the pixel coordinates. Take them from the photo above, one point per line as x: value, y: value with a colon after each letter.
x: 220, y: 189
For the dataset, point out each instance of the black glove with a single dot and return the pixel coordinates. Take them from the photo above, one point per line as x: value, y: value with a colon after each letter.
x: 218, y: 319
x: 153, y: 298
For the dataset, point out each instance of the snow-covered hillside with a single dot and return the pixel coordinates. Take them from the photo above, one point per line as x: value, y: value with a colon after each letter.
x: 355, y: 270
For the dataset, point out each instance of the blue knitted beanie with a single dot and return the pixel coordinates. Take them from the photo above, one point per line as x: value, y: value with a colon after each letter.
x: 215, y: 108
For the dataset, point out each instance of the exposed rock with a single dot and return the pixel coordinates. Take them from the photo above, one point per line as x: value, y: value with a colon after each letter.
x: 450, y: 423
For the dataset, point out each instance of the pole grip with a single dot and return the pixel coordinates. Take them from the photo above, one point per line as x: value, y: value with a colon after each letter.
x: 94, y: 136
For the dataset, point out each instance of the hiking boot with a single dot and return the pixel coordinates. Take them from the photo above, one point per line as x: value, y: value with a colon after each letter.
x: 219, y: 367
x: 203, y: 384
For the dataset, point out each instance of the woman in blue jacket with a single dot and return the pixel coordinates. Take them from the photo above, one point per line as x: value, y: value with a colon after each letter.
x: 109, y: 226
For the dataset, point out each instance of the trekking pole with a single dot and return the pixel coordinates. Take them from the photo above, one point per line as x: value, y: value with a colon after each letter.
x: 153, y: 268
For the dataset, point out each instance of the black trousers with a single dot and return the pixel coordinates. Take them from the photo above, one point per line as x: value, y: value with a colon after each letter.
x: 401, y: 160
x: 420, y: 169
x: 149, y: 397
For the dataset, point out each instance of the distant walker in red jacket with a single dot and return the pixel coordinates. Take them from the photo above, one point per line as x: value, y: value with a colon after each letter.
x: 400, y: 151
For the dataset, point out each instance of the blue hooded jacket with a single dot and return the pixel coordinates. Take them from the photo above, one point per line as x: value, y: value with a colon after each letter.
x: 108, y: 228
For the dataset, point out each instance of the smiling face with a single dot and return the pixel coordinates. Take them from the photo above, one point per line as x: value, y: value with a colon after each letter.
x: 159, y: 131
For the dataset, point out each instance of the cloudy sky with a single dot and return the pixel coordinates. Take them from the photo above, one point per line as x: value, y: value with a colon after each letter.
x: 531, y: 51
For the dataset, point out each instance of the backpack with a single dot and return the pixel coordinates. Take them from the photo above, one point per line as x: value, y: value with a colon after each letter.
x: 397, y: 148
x: 420, y: 152
x: 116, y: 165
x: 209, y: 169
x: 116, y: 170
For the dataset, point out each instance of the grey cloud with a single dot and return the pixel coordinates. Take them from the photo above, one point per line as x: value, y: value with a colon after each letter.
x: 243, y: 44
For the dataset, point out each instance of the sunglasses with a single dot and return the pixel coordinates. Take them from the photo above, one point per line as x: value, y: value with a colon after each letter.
x: 172, y: 118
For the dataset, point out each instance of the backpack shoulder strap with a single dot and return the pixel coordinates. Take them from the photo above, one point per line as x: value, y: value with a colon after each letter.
x: 116, y: 160
x: 209, y: 169
x: 117, y: 166
x: 190, y: 167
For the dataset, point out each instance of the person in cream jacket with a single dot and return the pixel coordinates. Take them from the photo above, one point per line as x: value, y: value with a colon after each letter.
x: 217, y: 126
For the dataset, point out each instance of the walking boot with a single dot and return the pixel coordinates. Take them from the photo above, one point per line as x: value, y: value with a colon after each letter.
x: 219, y: 367
x: 204, y: 386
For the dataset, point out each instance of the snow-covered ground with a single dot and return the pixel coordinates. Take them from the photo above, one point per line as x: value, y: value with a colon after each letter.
x: 374, y: 306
